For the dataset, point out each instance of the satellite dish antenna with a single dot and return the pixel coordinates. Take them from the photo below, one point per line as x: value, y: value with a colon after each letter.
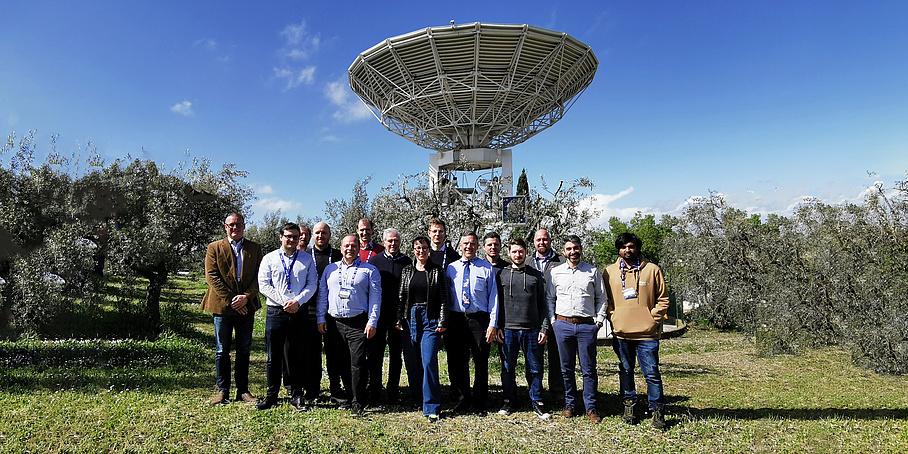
x: 471, y: 91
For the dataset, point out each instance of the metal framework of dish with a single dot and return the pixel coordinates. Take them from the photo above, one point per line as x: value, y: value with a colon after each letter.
x: 472, y: 86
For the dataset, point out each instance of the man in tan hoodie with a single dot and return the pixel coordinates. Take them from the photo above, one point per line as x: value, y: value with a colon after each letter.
x: 637, y: 303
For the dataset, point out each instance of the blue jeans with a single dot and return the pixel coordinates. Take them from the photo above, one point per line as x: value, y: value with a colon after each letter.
x: 224, y: 327
x: 514, y: 341
x: 421, y: 346
x: 578, y: 340
x: 647, y: 353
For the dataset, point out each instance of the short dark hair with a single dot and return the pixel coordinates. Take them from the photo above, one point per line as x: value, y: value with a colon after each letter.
x: 518, y: 242
x: 573, y: 239
x: 423, y: 240
x: 491, y: 235
x: 289, y: 226
x: 628, y: 237
x: 438, y: 221
x: 472, y: 234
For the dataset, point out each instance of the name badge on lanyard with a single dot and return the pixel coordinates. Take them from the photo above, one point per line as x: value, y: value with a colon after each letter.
x: 346, y: 288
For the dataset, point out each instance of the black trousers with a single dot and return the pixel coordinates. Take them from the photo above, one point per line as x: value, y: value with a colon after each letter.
x: 390, y: 337
x: 310, y: 358
x: 285, y: 344
x: 466, y: 338
x: 351, y: 338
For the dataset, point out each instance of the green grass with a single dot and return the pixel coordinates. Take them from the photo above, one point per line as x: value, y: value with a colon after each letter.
x: 136, y: 395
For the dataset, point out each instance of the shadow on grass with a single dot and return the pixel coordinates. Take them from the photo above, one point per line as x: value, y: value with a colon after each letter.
x: 95, y: 365
x: 807, y: 414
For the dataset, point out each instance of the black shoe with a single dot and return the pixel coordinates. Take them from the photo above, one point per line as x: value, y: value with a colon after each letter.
x: 298, y: 403
x: 539, y: 411
x: 628, y: 417
x: 432, y: 418
x: 267, y: 403
x: 356, y: 409
x: 392, y: 396
x: 463, y: 406
x: 339, y: 401
x: 505, y: 408
x: 658, y: 419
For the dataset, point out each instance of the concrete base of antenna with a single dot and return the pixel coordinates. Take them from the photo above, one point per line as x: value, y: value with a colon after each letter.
x: 443, y: 164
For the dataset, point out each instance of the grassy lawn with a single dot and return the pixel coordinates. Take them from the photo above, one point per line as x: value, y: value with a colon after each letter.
x: 138, y: 396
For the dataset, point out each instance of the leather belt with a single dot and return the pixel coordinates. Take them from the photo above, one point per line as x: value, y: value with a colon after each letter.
x: 577, y: 320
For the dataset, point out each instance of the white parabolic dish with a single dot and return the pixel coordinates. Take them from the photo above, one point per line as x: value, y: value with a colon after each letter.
x: 476, y: 85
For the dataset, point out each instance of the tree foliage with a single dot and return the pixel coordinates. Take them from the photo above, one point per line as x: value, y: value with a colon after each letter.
x: 60, y: 226
x: 408, y: 204
x: 827, y: 275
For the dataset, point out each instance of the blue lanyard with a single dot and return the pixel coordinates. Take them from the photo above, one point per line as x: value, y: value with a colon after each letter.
x: 352, y: 278
x: 312, y: 253
x: 636, y: 270
x: 287, y: 271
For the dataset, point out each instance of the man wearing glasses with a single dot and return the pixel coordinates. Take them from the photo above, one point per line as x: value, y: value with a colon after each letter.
x: 231, y: 271
x: 287, y: 278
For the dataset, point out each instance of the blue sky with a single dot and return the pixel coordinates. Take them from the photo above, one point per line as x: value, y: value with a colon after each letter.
x: 765, y: 102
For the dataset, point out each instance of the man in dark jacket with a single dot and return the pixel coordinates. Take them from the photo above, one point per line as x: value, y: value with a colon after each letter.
x: 390, y: 263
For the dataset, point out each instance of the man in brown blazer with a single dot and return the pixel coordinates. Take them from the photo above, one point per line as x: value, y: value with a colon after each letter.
x: 233, y: 299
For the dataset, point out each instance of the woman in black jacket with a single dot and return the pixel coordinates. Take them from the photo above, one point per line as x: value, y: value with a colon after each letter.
x: 423, y: 316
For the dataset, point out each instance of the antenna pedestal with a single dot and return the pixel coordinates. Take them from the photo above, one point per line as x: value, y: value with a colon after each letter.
x: 443, y: 164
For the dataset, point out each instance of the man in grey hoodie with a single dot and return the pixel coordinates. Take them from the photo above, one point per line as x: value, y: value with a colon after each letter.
x: 524, y: 321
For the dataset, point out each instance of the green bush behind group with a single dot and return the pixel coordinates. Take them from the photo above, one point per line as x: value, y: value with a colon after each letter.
x: 77, y: 233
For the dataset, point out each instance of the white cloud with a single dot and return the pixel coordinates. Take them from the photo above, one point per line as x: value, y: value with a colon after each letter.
x: 295, y: 79
x: 298, y: 44
x: 206, y: 43
x: 349, y: 107
x: 274, y: 204
x: 601, y: 203
x: 330, y: 138
x: 183, y: 108
x: 263, y: 189
x: 337, y: 92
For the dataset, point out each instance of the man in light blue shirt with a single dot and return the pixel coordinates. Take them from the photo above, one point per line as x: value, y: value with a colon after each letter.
x: 287, y: 278
x: 472, y: 325
x: 349, y: 303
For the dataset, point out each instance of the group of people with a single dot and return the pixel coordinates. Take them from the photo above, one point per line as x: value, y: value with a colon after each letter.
x: 365, y: 298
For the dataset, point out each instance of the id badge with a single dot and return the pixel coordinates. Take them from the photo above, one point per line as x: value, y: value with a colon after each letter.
x: 345, y: 292
x: 629, y: 293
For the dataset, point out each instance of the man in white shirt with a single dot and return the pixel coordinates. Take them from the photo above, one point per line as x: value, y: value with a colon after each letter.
x: 287, y: 278
x: 576, y: 295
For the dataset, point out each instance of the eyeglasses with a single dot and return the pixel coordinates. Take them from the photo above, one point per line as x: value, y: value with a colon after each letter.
x: 234, y: 225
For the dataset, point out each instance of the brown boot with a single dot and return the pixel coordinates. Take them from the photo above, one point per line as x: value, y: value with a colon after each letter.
x: 246, y: 397
x: 219, y: 398
x: 594, y: 416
